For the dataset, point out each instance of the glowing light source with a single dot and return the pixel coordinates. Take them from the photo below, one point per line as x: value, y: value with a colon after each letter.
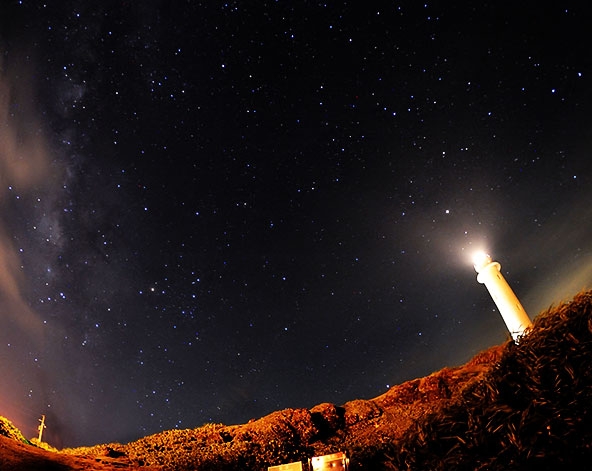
x: 480, y: 259
x: 512, y: 312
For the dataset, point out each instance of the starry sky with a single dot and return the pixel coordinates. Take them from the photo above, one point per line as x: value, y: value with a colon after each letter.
x: 210, y: 211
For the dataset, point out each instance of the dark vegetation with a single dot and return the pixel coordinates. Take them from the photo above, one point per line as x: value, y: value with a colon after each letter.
x: 533, y: 410
x: 7, y: 429
x: 512, y: 407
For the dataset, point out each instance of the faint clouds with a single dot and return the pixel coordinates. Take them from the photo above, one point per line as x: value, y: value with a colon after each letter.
x: 24, y: 169
x: 23, y: 156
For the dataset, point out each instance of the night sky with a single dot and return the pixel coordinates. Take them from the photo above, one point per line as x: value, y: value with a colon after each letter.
x: 210, y: 211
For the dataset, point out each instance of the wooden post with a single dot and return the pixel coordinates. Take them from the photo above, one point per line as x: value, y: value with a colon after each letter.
x: 41, y: 426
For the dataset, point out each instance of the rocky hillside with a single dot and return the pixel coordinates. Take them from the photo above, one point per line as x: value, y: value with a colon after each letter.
x: 525, y: 406
x: 364, y: 428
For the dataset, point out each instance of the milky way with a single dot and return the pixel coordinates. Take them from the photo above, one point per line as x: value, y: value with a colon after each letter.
x: 212, y: 211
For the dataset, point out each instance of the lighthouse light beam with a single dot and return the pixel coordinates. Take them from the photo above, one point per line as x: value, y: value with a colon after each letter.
x: 512, y: 312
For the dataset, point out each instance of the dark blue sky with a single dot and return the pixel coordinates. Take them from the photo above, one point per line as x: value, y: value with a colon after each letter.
x: 213, y: 211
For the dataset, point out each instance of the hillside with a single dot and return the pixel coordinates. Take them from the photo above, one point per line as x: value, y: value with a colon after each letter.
x: 524, y: 406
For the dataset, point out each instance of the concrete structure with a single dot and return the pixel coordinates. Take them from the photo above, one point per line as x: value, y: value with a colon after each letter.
x: 296, y: 466
x: 514, y: 315
x: 335, y: 461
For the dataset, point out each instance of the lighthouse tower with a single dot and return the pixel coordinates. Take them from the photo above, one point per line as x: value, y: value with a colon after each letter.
x: 514, y: 315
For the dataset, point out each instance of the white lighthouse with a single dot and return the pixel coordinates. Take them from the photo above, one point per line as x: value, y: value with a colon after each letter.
x: 514, y: 315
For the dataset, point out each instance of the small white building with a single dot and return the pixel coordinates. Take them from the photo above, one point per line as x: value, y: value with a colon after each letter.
x: 296, y: 466
x: 335, y: 462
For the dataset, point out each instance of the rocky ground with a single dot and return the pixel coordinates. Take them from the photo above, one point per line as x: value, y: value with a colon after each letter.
x: 525, y: 406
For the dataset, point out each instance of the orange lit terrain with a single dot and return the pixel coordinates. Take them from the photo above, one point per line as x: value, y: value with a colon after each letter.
x: 524, y: 406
